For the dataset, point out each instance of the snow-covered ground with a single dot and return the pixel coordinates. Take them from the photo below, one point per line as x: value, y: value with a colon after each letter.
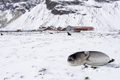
x: 43, y: 56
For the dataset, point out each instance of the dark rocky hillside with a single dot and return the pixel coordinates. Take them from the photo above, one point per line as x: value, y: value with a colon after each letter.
x: 9, y: 4
x: 59, y: 8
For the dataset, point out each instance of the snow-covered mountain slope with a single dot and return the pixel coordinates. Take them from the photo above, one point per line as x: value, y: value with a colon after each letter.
x: 10, y: 10
x: 100, y: 15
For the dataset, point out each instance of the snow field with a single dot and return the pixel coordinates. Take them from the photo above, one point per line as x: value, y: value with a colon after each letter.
x: 43, y: 56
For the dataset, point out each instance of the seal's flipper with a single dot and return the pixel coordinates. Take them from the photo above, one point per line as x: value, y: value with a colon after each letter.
x: 87, y: 54
x: 85, y: 65
x: 112, y: 60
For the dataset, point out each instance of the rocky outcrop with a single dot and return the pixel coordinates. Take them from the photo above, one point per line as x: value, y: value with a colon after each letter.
x: 58, y: 8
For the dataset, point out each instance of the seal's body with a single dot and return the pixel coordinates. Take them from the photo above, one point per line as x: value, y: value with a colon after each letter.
x: 94, y: 58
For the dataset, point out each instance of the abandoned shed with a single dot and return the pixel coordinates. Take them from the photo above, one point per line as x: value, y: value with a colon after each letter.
x: 61, y: 29
x: 79, y: 28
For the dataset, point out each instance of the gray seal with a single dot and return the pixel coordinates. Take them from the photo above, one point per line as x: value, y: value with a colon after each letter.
x: 94, y: 58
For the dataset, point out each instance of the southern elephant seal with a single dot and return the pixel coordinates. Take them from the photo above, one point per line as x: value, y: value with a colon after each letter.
x: 94, y: 58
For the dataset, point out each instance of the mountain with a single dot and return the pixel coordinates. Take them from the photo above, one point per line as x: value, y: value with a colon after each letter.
x: 10, y: 10
x: 102, y: 15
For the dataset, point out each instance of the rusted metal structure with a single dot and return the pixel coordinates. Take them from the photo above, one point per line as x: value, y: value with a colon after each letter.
x: 79, y: 28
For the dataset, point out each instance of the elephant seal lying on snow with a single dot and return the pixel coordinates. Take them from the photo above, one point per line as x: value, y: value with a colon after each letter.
x: 94, y: 58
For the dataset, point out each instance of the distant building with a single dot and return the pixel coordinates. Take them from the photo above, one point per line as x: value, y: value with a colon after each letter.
x: 78, y: 28
x: 42, y: 28
x: 61, y: 29
x: 18, y: 30
x: 50, y: 28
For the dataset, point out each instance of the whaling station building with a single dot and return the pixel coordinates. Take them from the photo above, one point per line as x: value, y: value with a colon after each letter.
x: 79, y: 28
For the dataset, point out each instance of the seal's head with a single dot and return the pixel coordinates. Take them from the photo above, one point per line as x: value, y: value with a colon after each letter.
x: 77, y: 58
